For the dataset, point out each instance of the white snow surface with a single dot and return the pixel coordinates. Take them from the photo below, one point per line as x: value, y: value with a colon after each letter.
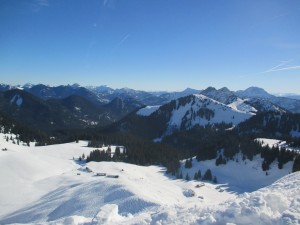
x: 41, y: 185
x: 240, y: 105
x: 148, y: 110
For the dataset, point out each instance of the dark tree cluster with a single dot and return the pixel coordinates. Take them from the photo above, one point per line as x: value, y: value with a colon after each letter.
x: 188, y: 163
x: 270, y: 125
x: 141, y: 151
x: 281, y: 154
x: 24, y: 133
x: 101, y: 155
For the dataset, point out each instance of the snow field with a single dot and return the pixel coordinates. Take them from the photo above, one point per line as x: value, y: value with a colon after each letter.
x: 238, y: 175
x: 40, y: 185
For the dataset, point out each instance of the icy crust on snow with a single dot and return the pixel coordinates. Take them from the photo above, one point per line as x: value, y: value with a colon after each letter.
x: 148, y: 110
x: 222, y: 113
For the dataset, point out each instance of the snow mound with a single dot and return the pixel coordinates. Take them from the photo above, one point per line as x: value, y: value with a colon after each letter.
x: 276, y: 204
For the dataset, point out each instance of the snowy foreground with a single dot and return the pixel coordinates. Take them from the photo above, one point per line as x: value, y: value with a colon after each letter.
x: 44, y: 185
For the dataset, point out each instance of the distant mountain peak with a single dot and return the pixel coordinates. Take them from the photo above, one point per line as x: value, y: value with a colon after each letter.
x: 75, y: 85
x: 223, y: 95
x: 254, y: 92
x: 224, y: 89
x: 190, y: 90
x: 209, y: 89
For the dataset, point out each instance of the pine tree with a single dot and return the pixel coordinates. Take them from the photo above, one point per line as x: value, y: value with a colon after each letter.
x: 188, y: 163
x: 199, y: 174
x: 196, y: 176
x: 215, y: 180
x: 187, y: 177
x: 207, y: 175
x: 180, y: 175
x: 296, y: 165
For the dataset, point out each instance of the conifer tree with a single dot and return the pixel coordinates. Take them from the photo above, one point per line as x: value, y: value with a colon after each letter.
x: 207, y: 175
x: 196, y: 176
x: 180, y: 175
x: 187, y: 177
x: 215, y: 180
x: 199, y: 174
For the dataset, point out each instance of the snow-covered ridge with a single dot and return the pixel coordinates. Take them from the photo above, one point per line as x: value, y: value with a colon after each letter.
x: 203, y: 110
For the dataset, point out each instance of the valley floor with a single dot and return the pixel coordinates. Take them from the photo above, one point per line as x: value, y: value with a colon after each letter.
x: 45, y: 185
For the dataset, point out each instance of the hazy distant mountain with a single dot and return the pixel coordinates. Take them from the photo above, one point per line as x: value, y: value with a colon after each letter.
x: 71, y: 112
x: 292, y: 96
x: 255, y: 94
x: 174, y: 95
x: 5, y: 87
x: 60, y: 92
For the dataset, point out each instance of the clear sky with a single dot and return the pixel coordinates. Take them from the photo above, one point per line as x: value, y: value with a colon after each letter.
x: 152, y: 44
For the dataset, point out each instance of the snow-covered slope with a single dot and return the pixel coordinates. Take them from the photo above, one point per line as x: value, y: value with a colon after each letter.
x: 203, y: 110
x: 148, y: 110
x: 240, y: 175
x: 40, y: 184
x: 44, y: 185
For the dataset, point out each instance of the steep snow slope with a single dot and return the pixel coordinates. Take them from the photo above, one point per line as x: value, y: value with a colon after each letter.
x: 241, y: 105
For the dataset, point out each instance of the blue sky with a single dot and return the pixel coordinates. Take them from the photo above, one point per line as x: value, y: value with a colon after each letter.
x: 152, y: 44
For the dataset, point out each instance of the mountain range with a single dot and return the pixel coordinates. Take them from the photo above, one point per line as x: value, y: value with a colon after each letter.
x: 73, y: 106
